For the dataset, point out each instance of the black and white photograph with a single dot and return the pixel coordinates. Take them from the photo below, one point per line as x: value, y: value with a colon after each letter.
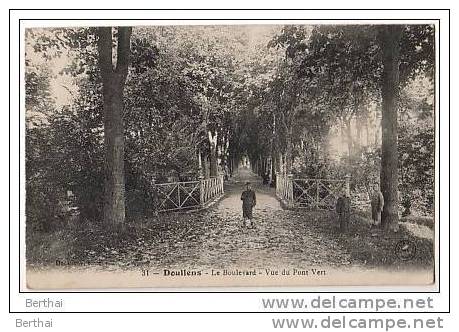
x: 221, y: 155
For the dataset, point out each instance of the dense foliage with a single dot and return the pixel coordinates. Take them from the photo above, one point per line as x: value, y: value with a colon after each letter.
x: 326, y: 99
x: 301, y: 99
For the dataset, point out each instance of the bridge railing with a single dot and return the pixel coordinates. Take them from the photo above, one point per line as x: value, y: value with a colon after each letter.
x: 284, y: 186
x: 187, y: 195
x: 211, y: 189
x: 309, y: 193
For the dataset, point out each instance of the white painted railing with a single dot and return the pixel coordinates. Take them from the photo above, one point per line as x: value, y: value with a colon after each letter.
x: 284, y: 187
x: 316, y: 194
x: 190, y: 195
x: 211, y: 189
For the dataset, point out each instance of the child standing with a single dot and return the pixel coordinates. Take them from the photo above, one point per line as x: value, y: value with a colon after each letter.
x: 249, y: 200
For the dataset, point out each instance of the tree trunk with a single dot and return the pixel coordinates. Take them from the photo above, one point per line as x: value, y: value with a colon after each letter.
x: 377, y: 131
x: 389, y: 37
x: 349, y: 137
x: 288, y: 151
x: 358, y: 140
x: 260, y: 165
x: 205, y: 164
x: 224, y: 154
x: 200, y: 170
x: 213, y: 153
x: 273, y: 161
x: 367, y: 132
x: 280, y: 162
x: 113, y: 79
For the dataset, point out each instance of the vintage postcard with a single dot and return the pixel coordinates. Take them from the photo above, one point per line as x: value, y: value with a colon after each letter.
x: 228, y: 155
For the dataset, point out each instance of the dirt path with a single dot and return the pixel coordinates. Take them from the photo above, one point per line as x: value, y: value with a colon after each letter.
x: 280, y: 238
x: 230, y: 206
x: 215, y: 238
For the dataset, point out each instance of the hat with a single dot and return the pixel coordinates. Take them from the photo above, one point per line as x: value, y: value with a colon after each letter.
x: 247, y: 183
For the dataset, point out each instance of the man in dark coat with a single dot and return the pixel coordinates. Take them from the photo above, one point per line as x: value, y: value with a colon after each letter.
x: 249, y: 200
x: 265, y: 178
x: 343, y: 209
x: 377, y: 204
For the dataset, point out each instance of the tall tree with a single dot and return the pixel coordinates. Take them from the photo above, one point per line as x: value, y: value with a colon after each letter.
x: 389, y: 39
x: 114, y: 69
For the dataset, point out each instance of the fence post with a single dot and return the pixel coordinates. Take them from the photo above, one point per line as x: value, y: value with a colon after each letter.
x: 178, y: 194
x: 277, y: 184
x: 201, y: 190
x: 200, y: 165
x: 290, y: 189
x: 222, y: 189
x: 155, y: 195
x: 317, y: 193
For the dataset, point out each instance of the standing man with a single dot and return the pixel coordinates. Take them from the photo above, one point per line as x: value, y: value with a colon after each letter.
x: 249, y: 200
x: 377, y: 204
x: 343, y: 209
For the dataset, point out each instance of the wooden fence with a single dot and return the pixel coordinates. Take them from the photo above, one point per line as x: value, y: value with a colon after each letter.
x: 314, y: 194
x: 187, y: 195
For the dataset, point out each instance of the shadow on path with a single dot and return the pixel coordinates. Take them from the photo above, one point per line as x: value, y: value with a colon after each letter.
x: 231, y: 203
x: 279, y: 238
x: 214, y: 238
